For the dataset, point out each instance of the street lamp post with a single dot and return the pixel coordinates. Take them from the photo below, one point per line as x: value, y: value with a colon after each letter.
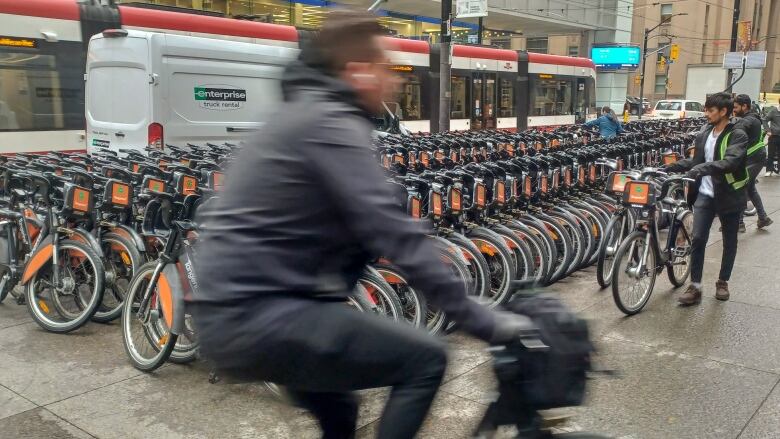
x: 644, y: 61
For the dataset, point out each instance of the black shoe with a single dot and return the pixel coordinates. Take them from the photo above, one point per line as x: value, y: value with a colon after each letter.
x: 742, y: 228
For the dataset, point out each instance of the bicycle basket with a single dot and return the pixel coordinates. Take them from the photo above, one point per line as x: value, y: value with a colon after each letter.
x: 414, y: 206
x: 639, y: 193
x: 670, y: 158
x: 500, y: 192
x: 216, y: 180
x: 479, y: 194
x: 185, y: 184
x: 77, y: 201
x: 154, y: 184
x: 435, y: 205
x: 616, y: 183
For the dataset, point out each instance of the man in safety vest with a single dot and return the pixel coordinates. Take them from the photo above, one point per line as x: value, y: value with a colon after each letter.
x: 750, y: 122
x: 719, y: 166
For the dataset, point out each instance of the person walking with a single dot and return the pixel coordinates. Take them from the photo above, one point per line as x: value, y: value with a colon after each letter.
x: 719, y: 167
x: 771, y: 123
x: 750, y: 122
x: 607, y: 123
x: 305, y: 207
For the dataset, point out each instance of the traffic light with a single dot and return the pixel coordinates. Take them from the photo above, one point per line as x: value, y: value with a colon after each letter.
x: 674, y: 52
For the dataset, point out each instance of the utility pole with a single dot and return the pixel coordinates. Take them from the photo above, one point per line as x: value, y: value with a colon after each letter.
x: 444, y: 66
x: 644, y: 60
x: 734, y: 27
x: 666, y: 80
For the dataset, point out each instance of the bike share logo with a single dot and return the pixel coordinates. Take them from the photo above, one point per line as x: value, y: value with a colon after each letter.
x: 220, y: 97
x: 190, y: 270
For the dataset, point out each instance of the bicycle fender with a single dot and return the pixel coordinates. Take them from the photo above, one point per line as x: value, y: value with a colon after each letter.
x: 39, y: 258
x: 88, y: 239
x: 131, y: 235
x: 171, y: 290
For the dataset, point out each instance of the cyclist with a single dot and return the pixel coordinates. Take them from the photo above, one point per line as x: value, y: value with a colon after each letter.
x: 719, y: 165
x: 304, y: 208
x: 750, y: 121
x: 607, y: 123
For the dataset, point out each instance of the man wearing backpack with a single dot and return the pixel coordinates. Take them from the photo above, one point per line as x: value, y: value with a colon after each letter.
x: 719, y: 166
x: 607, y: 123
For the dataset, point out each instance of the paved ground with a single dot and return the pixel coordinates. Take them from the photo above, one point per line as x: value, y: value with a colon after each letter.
x: 704, y: 372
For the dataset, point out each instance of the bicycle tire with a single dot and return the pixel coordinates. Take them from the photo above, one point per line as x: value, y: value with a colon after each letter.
x: 39, y: 309
x: 623, y: 253
x: 541, y: 233
x: 608, y: 248
x: 161, y: 344
x: 6, y: 285
x: 563, y: 246
x: 382, y: 294
x: 187, y: 347
x: 676, y: 279
x: 570, y: 226
x: 109, y: 312
x: 538, y: 253
x: 597, y: 225
x: 520, y: 249
x: 502, y: 270
x: 478, y: 264
x: 413, y: 304
x: 586, y: 221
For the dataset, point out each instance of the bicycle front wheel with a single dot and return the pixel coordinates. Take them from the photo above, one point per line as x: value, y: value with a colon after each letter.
x: 70, y: 304
x: 610, y: 242
x: 634, y: 273
x: 146, y: 335
x: 680, y: 261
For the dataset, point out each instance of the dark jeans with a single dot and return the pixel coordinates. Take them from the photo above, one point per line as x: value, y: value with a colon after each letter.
x: 752, y: 193
x: 324, y: 351
x: 704, y: 212
x: 773, y: 149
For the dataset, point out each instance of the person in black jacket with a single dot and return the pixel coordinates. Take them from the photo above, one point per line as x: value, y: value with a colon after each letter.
x: 750, y: 122
x: 305, y: 207
x: 719, y: 166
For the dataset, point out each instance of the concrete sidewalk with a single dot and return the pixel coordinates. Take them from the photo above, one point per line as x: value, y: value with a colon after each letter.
x: 709, y: 371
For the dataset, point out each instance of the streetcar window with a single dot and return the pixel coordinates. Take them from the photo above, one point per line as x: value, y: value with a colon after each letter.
x: 552, y: 98
x: 591, y: 85
x: 409, y: 97
x: 42, y: 88
x: 506, y: 98
x: 460, y: 104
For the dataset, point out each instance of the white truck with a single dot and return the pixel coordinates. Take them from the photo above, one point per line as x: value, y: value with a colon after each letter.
x: 703, y: 80
x: 152, y: 89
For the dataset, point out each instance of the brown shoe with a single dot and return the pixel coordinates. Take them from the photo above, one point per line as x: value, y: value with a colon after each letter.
x: 764, y: 222
x: 722, y: 290
x: 691, y: 296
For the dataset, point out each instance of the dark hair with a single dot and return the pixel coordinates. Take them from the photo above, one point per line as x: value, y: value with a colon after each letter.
x: 347, y: 36
x: 606, y: 109
x: 720, y: 101
x: 743, y: 99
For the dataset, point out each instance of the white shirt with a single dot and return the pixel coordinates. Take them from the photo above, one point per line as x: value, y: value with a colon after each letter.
x: 709, y: 155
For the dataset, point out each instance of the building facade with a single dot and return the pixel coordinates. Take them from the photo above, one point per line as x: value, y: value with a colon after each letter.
x: 703, y: 36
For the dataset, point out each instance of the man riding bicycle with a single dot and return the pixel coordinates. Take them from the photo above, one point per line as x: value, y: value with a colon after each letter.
x: 305, y: 207
x: 719, y: 166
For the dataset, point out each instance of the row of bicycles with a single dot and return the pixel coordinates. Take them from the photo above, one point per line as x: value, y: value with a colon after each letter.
x: 113, y: 235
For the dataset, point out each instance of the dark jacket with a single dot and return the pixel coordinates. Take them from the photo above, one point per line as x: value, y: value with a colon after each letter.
x: 733, y: 161
x: 771, y: 122
x: 608, y: 125
x: 751, y: 125
x: 306, y: 206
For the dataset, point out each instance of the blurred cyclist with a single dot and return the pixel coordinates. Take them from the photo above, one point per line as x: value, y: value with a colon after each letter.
x: 608, y: 124
x: 304, y: 209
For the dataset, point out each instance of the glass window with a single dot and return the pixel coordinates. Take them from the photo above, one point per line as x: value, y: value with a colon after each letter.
x: 43, y: 88
x: 552, y: 98
x: 537, y: 45
x: 666, y: 11
x: 574, y: 50
x: 669, y: 105
x: 690, y: 106
x: 506, y: 100
x: 591, y: 86
x: 409, y: 97
x: 660, y: 84
x: 459, y: 107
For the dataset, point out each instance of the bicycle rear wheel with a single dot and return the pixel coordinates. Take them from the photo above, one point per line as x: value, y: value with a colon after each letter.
x: 382, y: 295
x: 498, y: 256
x: 633, y: 275
x: 121, y: 259
x: 413, y: 303
x: 613, y: 236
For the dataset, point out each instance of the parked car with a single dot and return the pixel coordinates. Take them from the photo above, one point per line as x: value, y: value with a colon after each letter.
x: 677, y: 109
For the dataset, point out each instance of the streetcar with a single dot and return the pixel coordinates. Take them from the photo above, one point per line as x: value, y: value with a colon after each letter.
x: 43, y: 47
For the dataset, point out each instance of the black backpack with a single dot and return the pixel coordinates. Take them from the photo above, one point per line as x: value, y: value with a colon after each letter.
x: 555, y: 376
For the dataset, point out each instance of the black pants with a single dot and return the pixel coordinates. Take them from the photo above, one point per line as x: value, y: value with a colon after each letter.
x: 752, y: 192
x: 704, y: 213
x: 324, y: 351
x: 773, y: 152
